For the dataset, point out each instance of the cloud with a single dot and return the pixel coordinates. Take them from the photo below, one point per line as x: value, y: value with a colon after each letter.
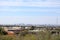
x: 32, y: 0
x: 38, y: 4
x: 28, y: 10
x: 12, y: 0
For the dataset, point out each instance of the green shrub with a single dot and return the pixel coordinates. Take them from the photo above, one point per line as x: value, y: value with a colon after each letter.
x: 2, y: 32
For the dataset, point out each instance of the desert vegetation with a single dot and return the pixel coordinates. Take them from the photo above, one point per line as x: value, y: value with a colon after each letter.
x: 25, y: 35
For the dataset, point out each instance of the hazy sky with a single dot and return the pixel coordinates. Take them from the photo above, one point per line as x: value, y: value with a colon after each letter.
x: 29, y: 11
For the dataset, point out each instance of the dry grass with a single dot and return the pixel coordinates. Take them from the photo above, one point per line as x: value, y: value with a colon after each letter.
x: 38, y: 36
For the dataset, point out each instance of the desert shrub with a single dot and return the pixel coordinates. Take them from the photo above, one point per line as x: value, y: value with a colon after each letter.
x: 23, y: 33
x: 30, y: 37
x: 27, y: 36
x: 7, y: 37
x: 5, y: 33
x: 2, y: 32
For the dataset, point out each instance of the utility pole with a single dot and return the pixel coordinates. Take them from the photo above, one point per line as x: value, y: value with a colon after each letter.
x: 57, y: 20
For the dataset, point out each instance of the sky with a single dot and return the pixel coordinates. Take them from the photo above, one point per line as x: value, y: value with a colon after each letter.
x: 30, y: 11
